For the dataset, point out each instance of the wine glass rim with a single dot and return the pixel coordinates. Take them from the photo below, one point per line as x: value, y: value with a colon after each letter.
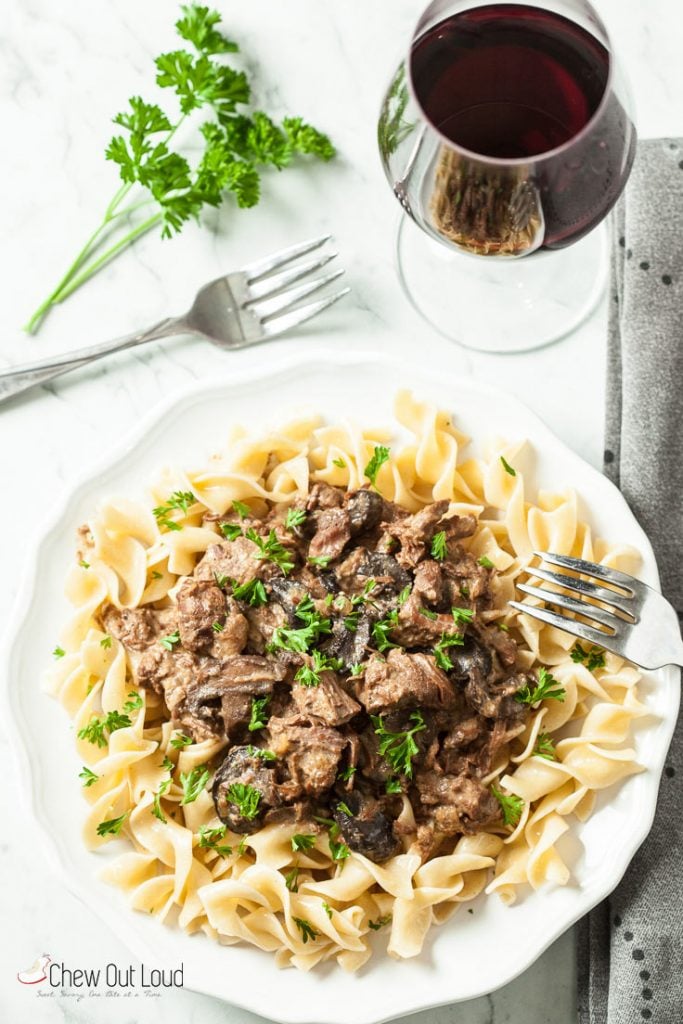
x: 517, y: 160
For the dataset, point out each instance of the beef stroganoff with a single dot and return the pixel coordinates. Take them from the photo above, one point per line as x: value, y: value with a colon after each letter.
x: 300, y: 694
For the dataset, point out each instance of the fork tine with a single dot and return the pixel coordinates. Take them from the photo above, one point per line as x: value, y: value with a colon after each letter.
x: 279, y: 303
x: 583, y: 587
x: 589, y: 611
x: 276, y: 282
x: 601, y: 572
x: 593, y: 636
x: 298, y: 316
x: 277, y: 259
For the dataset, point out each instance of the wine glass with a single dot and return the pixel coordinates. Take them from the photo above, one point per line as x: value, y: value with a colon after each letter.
x: 506, y: 133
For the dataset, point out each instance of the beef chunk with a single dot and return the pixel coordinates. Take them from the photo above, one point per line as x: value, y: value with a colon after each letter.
x: 311, y: 754
x: 177, y: 676
x: 232, y: 638
x: 368, y: 830
x: 416, y: 629
x: 366, y: 510
x: 134, y: 627
x: 404, y: 680
x: 324, y: 496
x: 470, y: 580
x: 496, y: 698
x: 235, y: 559
x: 385, y: 570
x: 200, y: 604
x: 456, y: 804
x: 237, y: 682
x: 262, y: 622
x: 245, y: 768
x: 326, y: 701
x: 333, y: 532
x: 415, y: 533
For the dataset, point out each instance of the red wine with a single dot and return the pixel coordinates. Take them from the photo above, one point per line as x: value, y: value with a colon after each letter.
x: 509, y: 81
x: 513, y: 82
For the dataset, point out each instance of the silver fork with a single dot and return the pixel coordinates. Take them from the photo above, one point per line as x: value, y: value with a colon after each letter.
x: 251, y: 305
x: 640, y: 625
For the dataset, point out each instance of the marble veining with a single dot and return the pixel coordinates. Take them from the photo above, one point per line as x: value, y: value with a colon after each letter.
x: 65, y: 69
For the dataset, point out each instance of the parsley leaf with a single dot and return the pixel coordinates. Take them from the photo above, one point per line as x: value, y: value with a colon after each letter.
x: 546, y: 688
x: 105, y: 642
x: 246, y: 798
x: 507, y: 467
x: 253, y: 592
x: 265, y: 755
x: 242, y: 510
x: 322, y: 561
x: 399, y: 748
x: 441, y: 650
x: 380, y: 456
x: 179, y: 501
x: 295, y: 518
x: 96, y: 730
x: 511, y: 806
x: 193, y: 782
x: 381, y: 630
x: 439, y: 548
x: 592, y: 659
x: 545, y: 747
x: 380, y: 922
x: 309, y: 675
x: 461, y: 615
x: 486, y: 562
x: 198, y: 26
x: 231, y: 531
x: 346, y: 773
x: 181, y: 740
x: 328, y: 909
x: 134, y: 702
x: 170, y: 641
x: 162, y: 791
x: 303, y: 841
x: 404, y: 595
x: 112, y: 827
x: 258, y: 719
x: 272, y: 550
x: 58, y: 652
x: 339, y: 463
x: 393, y: 786
x: 209, y: 839
x: 306, y: 929
x: 88, y: 777
x: 292, y: 879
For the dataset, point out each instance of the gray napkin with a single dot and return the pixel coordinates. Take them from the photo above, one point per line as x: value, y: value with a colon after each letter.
x: 630, y: 948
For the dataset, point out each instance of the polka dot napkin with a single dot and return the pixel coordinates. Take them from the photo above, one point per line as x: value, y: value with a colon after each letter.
x: 630, y: 948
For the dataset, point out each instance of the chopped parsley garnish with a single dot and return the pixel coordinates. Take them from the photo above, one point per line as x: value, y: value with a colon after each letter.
x: 461, y: 615
x: 242, y: 510
x: 306, y: 929
x: 592, y: 659
x: 393, y: 786
x: 486, y: 562
x: 507, y: 467
x: 112, y: 827
x: 170, y: 641
x: 303, y: 841
x: 94, y: 731
x: 193, y: 782
x: 271, y: 550
x: 403, y: 596
x: 246, y: 799
x: 328, y: 909
x: 105, y: 642
x: 265, y: 755
x: 439, y: 547
x: 339, y: 463
x: 339, y: 850
x: 346, y: 773
x: 322, y: 561
x: 295, y: 518
x: 546, y: 688
x: 58, y: 652
x: 511, y: 806
x: 428, y: 614
x: 441, y: 650
x: 134, y: 702
x: 301, y: 640
x: 156, y: 575
x: 231, y: 531
x: 381, y: 630
x: 545, y: 747
x: 217, y: 626
x: 88, y: 777
x: 253, y: 592
x: 221, y: 580
x: 83, y: 564
x: 258, y: 719
x: 162, y: 791
x: 399, y: 748
x: 292, y: 879
x: 380, y: 922
x: 345, y: 809
x: 181, y: 740
x: 179, y: 501
x: 209, y: 839
x: 309, y: 675
x: 242, y: 848
x: 380, y: 456
x: 356, y: 669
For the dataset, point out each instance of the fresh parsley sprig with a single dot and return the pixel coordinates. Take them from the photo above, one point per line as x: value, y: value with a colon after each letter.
x: 209, y: 839
x: 271, y: 550
x: 98, y: 730
x: 592, y: 658
x: 379, y: 457
x: 159, y: 187
x: 245, y: 798
x: 547, y: 687
x: 193, y: 782
x: 180, y: 501
x: 399, y: 748
x: 259, y: 718
x: 511, y: 806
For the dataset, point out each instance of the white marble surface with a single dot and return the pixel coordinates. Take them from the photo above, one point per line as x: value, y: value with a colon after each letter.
x: 64, y: 69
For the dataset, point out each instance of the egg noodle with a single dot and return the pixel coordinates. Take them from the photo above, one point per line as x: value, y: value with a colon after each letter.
x: 238, y: 893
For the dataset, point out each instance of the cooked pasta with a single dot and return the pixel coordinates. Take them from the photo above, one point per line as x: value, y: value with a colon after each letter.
x: 146, y: 783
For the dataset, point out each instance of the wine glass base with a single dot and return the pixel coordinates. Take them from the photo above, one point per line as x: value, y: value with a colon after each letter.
x: 496, y: 305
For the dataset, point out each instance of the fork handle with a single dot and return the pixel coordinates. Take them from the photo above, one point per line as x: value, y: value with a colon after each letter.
x: 21, y: 378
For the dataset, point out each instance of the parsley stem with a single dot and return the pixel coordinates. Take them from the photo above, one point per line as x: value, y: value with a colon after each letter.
x: 108, y: 254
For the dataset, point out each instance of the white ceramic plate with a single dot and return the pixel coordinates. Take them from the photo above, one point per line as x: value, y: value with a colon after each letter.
x: 472, y: 953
